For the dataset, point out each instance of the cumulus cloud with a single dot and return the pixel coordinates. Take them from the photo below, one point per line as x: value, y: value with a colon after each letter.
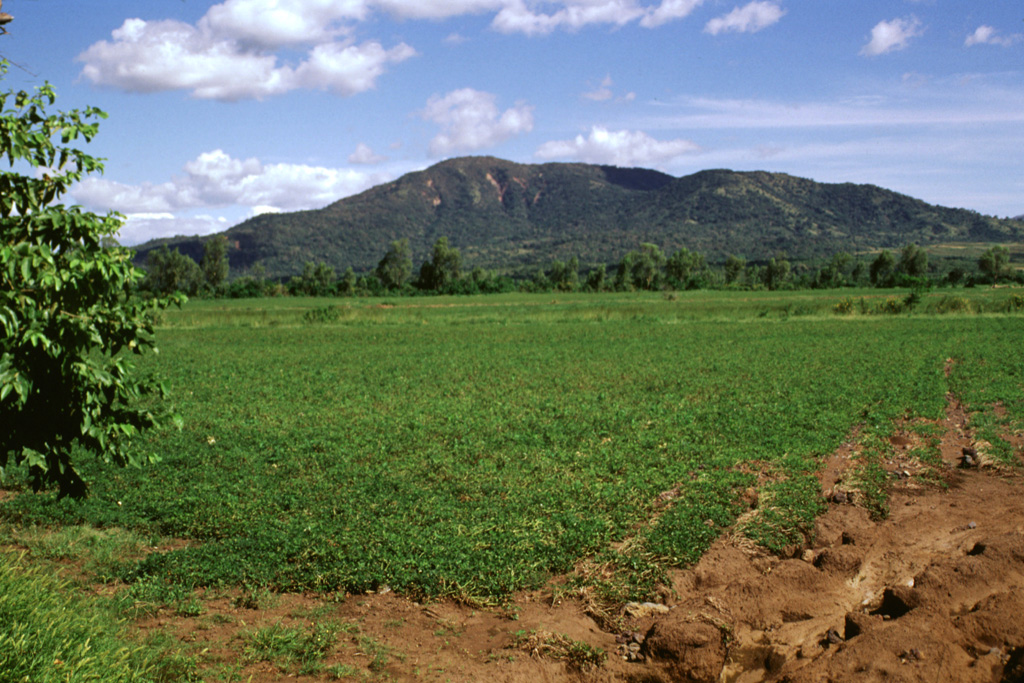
x: 364, y: 154
x: 669, y: 10
x: 275, y: 23
x: 212, y: 63
x: 517, y: 17
x: 142, y: 227
x: 617, y: 148
x: 987, y: 35
x: 888, y: 36
x: 470, y: 120
x: 216, y: 179
x: 750, y: 18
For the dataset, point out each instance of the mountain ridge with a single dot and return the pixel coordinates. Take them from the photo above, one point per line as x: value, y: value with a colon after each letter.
x: 504, y: 214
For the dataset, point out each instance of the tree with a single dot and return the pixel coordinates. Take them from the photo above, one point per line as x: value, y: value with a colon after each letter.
x: 68, y: 318
x: 994, y: 262
x: 776, y: 273
x: 640, y: 269
x: 913, y: 261
x: 595, y: 278
x: 443, y: 268
x: 347, y: 285
x: 395, y: 268
x: 883, y: 269
x: 683, y: 265
x: 734, y: 267
x: 317, y: 279
x: 169, y: 272
x: 565, y: 277
x: 214, y: 263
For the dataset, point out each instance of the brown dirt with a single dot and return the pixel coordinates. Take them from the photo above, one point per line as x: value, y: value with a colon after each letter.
x: 934, y: 592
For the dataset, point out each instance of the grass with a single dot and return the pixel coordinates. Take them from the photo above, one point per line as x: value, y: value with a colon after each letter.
x: 472, y: 447
x: 49, y: 634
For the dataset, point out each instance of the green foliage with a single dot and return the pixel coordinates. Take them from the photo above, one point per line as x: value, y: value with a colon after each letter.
x: 215, y: 261
x: 734, y: 268
x: 475, y: 448
x: 684, y: 265
x: 292, y: 648
x: 170, y: 272
x: 67, y: 313
x: 776, y: 274
x: 443, y: 269
x: 913, y: 261
x: 395, y: 269
x: 994, y: 264
x: 883, y: 269
x: 47, y: 635
x: 316, y: 280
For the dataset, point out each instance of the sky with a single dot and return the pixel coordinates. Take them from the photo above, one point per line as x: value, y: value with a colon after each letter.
x: 219, y: 111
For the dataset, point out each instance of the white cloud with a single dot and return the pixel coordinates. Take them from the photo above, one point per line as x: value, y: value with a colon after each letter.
x: 274, y: 23
x: 436, y: 9
x: 669, y: 10
x: 888, y: 36
x: 139, y: 228
x: 170, y: 55
x: 215, y: 179
x: 750, y: 18
x: 470, y: 120
x: 617, y: 148
x: 603, y: 93
x: 517, y: 17
x: 365, y: 155
x: 348, y: 69
x: 987, y: 35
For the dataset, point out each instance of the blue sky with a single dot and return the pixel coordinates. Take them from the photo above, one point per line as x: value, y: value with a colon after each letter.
x: 222, y: 110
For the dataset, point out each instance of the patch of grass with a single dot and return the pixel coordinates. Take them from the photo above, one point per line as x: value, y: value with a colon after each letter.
x: 48, y: 634
x: 291, y: 648
x: 575, y: 653
x: 787, y: 508
x: 149, y: 595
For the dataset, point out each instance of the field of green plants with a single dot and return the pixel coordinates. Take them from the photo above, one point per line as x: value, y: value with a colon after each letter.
x: 471, y: 447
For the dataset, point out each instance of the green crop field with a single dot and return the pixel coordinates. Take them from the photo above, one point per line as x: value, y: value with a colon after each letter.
x: 472, y: 447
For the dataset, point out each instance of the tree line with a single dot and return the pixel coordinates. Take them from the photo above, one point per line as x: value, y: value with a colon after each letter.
x: 647, y: 268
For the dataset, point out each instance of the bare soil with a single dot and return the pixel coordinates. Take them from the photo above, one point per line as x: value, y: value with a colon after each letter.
x: 933, y: 592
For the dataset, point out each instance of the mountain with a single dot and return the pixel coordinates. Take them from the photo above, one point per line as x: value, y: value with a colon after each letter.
x: 507, y: 215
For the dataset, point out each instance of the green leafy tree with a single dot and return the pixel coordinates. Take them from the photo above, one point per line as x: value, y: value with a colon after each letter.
x: 214, y: 263
x: 776, y: 273
x: 640, y: 269
x: 913, y: 261
x: 68, y: 319
x: 169, y: 272
x: 347, y: 284
x: 565, y: 277
x: 443, y: 268
x: 734, y: 268
x: 596, y: 278
x: 994, y: 263
x: 683, y: 265
x: 395, y: 269
x: 883, y: 269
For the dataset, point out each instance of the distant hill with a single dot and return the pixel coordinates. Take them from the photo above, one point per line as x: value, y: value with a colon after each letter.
x: 503, y: 214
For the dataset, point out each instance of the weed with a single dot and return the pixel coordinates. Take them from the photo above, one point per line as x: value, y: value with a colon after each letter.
x: 575, y: 653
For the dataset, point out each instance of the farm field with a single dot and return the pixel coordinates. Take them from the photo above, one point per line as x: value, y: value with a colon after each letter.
x: 468, y: 451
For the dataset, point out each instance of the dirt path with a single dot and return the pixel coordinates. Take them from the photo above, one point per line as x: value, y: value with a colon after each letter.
x: 934, y: 592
